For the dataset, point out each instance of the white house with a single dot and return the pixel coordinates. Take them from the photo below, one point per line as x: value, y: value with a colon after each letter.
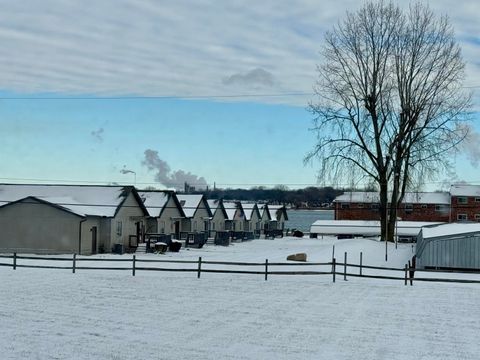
x: 69, y: 218
x: 197, y: 213
x: 165, y: 212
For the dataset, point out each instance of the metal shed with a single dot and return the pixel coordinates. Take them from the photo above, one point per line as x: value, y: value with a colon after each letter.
x: 449, y: 246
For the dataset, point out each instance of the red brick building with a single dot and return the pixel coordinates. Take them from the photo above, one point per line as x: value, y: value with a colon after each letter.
x: 465, y: 203
x: 418, y: 206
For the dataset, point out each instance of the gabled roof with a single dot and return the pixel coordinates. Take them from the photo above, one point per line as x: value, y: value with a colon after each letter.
x: 34, y: 200
x: 191, y: 202
x: 91, y: 200
x: 263, y: 209
x: 465, y: 190
x: 249, y: 209
x: 275, y: 211
x: 217, y: 205
x: 156, y: 201
x: 410, y: 197
x: 231, y: 208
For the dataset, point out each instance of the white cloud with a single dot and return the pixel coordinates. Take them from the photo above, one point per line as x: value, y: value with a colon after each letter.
x: 148, y: 47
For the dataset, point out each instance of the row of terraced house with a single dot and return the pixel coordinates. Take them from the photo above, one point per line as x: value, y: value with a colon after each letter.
x: 460, y: 204
x: 88, y: 219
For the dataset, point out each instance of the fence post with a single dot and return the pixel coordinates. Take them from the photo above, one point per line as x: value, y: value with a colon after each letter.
x: 345, y: 268
x: 74, y: 265
x: 133, y: 265
x: 406, y: 271
x: 199, y: 267
x: 14, y: 261
x: 333, y: 269
x: 410, y: 272
x: 266, y: 269
x: 361, y: 262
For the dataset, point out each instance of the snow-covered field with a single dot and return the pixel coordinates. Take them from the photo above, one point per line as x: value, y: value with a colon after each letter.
x: 54, y: 314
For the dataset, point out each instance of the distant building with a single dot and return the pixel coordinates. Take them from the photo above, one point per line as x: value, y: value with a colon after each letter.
x: 416, y: 206
x: 465, y: 200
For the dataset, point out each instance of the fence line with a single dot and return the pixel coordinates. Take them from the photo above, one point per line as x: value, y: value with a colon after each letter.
x: 408, y: 273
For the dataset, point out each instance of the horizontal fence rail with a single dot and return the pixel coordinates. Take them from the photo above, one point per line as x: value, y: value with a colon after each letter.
x: 408, y: 274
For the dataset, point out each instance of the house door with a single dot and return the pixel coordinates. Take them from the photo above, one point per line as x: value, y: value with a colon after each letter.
x: 94, y: 239
x: 177, y: 229
x: 139, y: 231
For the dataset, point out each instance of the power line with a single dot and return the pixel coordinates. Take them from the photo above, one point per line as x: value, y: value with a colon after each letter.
x: 159, y: 97
x: 210, y: 185
x: 172, y: 97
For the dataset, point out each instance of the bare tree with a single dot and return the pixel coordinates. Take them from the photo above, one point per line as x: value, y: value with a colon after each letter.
x: 390, y: 101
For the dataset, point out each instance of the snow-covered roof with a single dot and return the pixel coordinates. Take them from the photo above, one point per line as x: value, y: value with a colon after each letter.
x: 213, y: 204
x: 82, y: 200
x: 154, y: 201
x: 465, y: 190
x: 273, y: 209
x: 231, y: 209
x: 410, y: 197
x: 248, y: 209
x: 450, y: 229
x: 366, y: 227
x: 189, y: 203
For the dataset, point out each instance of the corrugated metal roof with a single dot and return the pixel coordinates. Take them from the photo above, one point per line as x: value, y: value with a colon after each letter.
x: 450, y: 229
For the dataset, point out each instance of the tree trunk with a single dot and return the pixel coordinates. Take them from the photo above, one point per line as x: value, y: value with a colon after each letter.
x: 383, y: 208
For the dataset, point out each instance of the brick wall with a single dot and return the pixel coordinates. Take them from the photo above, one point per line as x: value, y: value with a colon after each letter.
x: 470, y: 208
x: 418, y: 212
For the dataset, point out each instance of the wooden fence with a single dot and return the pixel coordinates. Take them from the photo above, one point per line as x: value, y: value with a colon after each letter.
x: 332, y: 268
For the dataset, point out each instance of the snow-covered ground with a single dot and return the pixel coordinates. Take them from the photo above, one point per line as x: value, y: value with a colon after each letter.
x: 54, y: 314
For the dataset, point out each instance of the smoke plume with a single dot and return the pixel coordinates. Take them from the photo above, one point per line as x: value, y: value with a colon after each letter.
x: 470, y: 145
x: 171, y: 179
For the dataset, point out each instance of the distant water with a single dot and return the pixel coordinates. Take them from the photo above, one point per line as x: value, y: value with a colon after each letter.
x: 303, y: 219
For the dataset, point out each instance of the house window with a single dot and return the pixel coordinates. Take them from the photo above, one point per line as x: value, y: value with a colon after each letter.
x: 360, y: 206
x: 119, y: 228
x: 424, y: 206
x: 213, y: 226
x: 162, y: 227
x: 194, y: 226
x: 345, y: 206
x: 408, y: 208
x: 462, y: 200
x: 375, y: 207
x: 477, y: 217
x: 462, y: 217
x: 477, y: 199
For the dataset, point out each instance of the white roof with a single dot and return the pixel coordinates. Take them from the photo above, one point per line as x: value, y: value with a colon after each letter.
x: 154, y: 201
x: 450, y: 229
x: 465, y: 190
x: 189, y: 203
x: 79, y: 199
x: 213, y: 204
x: 366, y: 228
x: 410, y: 197
x: 231, y: 209
x: 273, y: 210
x: 248, y: 210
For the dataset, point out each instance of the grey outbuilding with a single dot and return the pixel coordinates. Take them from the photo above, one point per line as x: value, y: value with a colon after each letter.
x: 449, y: 246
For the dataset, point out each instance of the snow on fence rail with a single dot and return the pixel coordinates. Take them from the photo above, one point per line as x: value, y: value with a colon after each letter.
x: 335, y: 268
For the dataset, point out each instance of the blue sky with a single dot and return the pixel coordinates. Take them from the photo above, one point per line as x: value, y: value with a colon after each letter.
x: 91, y: 54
